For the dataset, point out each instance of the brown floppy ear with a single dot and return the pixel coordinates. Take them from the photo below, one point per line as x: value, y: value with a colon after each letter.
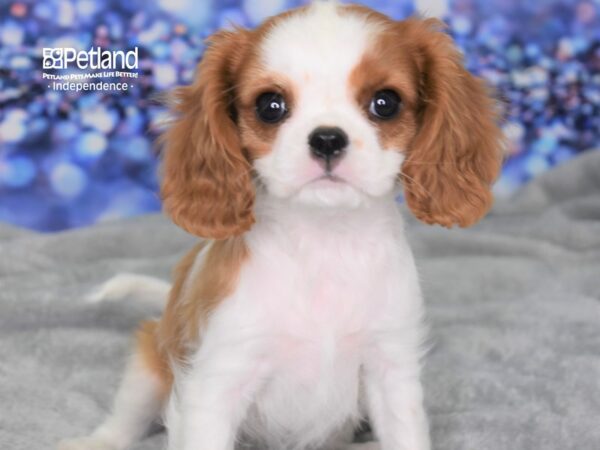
x: 207, y: 185
x: 457, y: 152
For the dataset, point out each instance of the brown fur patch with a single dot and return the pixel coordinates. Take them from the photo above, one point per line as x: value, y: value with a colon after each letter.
x: 457, y: 152
x: 258, y: 136
x: 207, y: 179
x: 193, y: 297
x: 147, y: 347
x: 388, y: 65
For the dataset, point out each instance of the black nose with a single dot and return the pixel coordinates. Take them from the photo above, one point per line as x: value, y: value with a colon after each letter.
x: 327, y: 143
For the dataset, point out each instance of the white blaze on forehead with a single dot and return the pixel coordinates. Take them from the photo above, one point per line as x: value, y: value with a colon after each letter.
x: 320, y: 44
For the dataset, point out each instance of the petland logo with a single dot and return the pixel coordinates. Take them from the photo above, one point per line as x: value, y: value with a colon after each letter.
x: 111, y: 63
x: 94, y: 58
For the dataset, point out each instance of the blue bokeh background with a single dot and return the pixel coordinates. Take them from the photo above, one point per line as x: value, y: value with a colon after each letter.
x: 71, y: 159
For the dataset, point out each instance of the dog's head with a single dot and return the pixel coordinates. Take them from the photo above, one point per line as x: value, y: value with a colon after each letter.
x: 330, y: 105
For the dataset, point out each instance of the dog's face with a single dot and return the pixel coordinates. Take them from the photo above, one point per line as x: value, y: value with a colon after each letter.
x: 322, y: 108
x: 331, y: 106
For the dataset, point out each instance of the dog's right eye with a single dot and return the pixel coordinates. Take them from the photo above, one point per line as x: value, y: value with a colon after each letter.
x: 271, y: 107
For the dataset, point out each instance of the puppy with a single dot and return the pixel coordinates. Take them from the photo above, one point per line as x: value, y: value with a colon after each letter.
x: 301, y: 313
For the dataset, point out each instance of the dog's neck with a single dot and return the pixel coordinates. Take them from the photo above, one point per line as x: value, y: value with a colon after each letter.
x: 291, y: 218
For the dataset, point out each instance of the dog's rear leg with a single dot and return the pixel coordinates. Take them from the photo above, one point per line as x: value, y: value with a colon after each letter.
x: 137, y: 404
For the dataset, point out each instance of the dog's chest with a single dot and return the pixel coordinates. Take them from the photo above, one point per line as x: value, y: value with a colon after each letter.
x: 318, y: 300
x: 312, y: 392
x: 317, y: 290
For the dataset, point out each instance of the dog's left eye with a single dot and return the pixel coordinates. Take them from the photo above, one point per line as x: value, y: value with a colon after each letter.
x: 271, y: 107
x: 385, y: 104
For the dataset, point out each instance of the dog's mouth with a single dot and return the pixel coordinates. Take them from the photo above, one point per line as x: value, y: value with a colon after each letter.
x: 330, y: 177
x: 328, y: 182
x: 330, y: 190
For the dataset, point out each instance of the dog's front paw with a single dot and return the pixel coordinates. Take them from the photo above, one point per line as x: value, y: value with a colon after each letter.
x: 86, y: 443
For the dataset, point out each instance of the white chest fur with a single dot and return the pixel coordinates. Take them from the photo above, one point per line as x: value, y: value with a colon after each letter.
x: 316, y: 289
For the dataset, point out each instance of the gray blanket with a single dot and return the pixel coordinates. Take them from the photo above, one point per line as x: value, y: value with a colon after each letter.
x: 513, y: 303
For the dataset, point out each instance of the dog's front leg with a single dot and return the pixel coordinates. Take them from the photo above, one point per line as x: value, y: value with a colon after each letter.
x: 211, y: 399
x: 394, y: 394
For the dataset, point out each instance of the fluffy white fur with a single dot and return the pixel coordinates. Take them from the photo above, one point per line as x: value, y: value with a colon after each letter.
x: 326, y: 323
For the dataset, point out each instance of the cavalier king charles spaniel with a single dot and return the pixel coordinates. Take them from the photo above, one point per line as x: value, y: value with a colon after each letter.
x: 300, y: 314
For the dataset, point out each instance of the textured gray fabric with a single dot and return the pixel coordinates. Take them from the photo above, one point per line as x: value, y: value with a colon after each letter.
x: 513, y: 303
